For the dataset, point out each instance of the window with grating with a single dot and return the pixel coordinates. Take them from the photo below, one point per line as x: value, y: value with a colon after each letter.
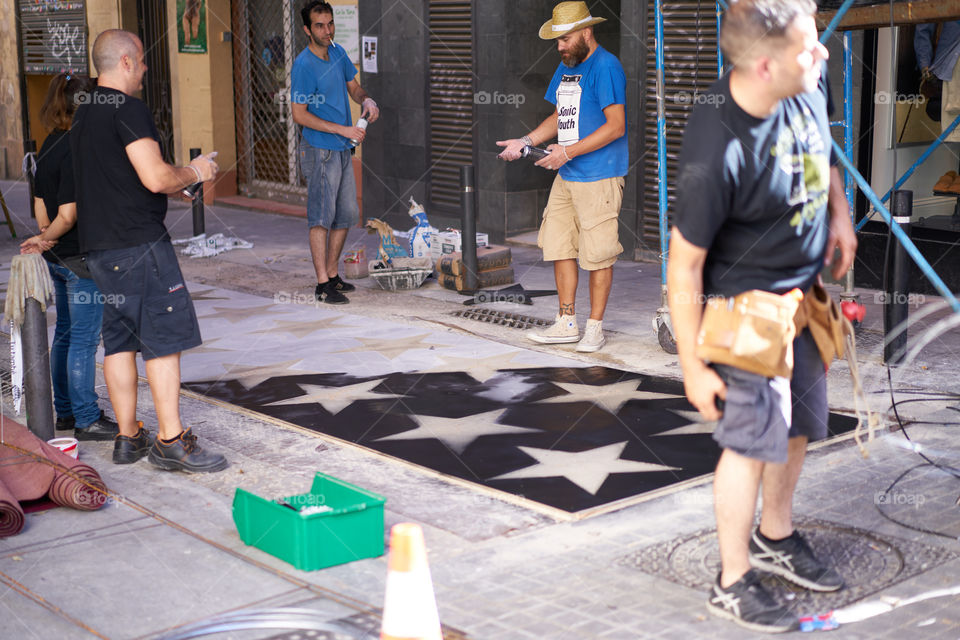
x: 451, y: 99
x: 690, y: 66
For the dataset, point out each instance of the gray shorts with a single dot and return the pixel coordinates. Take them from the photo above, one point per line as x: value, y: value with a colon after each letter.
x: 761, y: 414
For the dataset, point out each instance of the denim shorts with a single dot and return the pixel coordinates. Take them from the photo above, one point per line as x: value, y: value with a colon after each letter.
x: 147, y: 307
x: 761, y: 414
x: 331, y: 187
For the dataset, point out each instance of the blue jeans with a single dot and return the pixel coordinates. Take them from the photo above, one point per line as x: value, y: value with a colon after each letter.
x: 73, y: 356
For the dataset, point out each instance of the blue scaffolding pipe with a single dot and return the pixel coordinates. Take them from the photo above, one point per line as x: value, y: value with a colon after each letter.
x: 848, y: 114
x: 909, y: 172
x: 904, y: 239
x: 661, y: 145
x: 842, y: 11
x: 719, y: 51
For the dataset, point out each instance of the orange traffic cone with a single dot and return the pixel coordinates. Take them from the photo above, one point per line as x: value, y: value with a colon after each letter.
x: 409, y: 607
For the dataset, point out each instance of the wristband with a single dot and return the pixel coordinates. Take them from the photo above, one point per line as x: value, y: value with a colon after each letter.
x: 527, y: 140
x: 371, y: 100
x: 565, y: 153
x: 196, y: 171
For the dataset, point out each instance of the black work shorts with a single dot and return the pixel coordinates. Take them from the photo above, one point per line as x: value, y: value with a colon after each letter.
x: 147, y: 307
x: 761, y: 414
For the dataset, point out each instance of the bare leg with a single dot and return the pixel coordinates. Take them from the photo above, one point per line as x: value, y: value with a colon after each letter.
x: 735, y: 486
x: 779, y: 483
x: 120, y: 372
x: 195, y: 25
x: 566, y: 274
x: 318, y: 250
x: 337, y: 238
x: 600, y: 282
x: 163, y: 374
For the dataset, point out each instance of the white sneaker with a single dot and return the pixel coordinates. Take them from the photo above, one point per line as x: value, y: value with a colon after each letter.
x: 564, y: 329
x: 592, y: 338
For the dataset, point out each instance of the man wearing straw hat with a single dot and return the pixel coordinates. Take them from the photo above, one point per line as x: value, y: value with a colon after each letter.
x: 759, y: 212
x: 580, y: 222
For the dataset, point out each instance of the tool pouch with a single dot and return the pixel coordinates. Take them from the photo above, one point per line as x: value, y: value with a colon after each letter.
x: 753, y: 331
x: 823, y: 317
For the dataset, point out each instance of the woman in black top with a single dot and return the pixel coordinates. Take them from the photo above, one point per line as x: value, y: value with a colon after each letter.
x: 79, y: 303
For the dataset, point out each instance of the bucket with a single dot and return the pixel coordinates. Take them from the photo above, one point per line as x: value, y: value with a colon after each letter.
x: 67, y: 445
x: 355, y: 264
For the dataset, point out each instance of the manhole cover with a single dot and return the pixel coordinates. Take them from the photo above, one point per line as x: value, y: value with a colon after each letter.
x: 867, y: 562
x: 503, y: 318
x: 360, y: 625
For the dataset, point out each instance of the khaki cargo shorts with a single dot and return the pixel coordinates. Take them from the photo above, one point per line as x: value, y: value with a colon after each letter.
x: 581, y: 221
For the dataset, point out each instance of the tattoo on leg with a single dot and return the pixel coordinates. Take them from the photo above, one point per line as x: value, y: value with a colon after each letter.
x: 566, y: 309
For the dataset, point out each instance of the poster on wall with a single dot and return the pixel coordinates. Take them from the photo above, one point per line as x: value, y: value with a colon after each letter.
x: 369, y: 54
x: 192, y: 26
x: 347, y: 23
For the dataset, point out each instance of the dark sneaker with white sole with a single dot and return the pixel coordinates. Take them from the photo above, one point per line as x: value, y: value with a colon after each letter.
x: 184, y: 454
x: 103, y: 428
x: 129, y: 449
x: 748, y: 604
x: 793, y: 560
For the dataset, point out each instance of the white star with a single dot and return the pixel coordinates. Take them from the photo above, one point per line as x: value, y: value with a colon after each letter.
x: 251, y: 376
x: 480, y: 369
x: 696, y: 426
x: 610, y: 397
x: 586, y: 469
x: 458, y: 433
x: 336, y: 399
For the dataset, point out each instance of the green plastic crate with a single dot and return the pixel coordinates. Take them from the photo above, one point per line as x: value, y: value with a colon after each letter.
x: 352, y: 530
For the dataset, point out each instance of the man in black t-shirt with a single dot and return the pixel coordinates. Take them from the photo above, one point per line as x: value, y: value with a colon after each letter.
x: 122, y: 182
x: 759, y: 207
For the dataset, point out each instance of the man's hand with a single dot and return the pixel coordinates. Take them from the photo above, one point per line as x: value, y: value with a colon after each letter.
x: 206, y: 166
x: 841, y: 234
x: 369, y: 110
x: 354, y: 133
x: 513, y: 150
x: 555, y: 160
x: 703, y: 386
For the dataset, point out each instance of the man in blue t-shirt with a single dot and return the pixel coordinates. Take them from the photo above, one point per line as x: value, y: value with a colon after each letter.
x: 759, y: 208
x: 323, y: 79
x: 580, y: 222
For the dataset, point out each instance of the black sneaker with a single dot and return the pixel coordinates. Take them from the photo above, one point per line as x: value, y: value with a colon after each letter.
x: 331, y: 295
x: 791, y: 558
x: 318, y: 292
x: 129, y: 449
x: 65, y: 424
x: 748, y: 604
x: 103, y: 428
x: 341, y: 286
x: 184, y: 454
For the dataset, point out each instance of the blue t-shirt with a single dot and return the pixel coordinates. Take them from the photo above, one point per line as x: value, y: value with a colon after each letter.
x: 581, y: 93
x: 753, y: 191
x: 322, y: 86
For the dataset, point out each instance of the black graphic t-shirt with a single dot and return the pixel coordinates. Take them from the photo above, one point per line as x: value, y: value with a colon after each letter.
x: 753, y: 192
x: 54, y: 184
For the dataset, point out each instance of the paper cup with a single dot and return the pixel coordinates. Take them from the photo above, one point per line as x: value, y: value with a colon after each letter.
x: 68, y: 445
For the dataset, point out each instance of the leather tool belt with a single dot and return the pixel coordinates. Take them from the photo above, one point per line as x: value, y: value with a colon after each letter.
x: 754, y: 330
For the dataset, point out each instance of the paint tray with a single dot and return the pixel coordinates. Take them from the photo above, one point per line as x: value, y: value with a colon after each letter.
x: 406, y: 273
x: 349, y: 528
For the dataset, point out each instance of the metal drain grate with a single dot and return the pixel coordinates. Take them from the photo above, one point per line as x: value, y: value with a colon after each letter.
x: 502, y: 318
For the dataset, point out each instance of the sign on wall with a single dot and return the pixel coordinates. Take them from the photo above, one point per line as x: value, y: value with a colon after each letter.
x: 347, y: 23
x: 54, y: 36
x: 192, y: 26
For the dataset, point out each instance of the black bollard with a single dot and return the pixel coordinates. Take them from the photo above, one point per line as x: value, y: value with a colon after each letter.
x: 198, y: 226
x: 895, y: 309
x: 30, y: 146
x: 468, y: 237
x: 36, y: 371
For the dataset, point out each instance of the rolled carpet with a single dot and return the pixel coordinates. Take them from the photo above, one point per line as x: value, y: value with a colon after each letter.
x: 11, y: 515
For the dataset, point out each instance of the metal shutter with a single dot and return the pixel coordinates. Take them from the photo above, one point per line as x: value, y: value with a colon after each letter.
x: 451, y: 99
x: 690, y: 66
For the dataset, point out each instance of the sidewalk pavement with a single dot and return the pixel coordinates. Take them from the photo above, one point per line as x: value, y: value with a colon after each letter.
x: 165, y: 551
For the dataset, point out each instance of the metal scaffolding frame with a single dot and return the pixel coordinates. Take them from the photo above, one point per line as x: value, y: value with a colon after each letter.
x: 865, y: 18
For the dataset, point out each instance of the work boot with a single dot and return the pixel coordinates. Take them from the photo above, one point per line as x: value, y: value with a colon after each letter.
x: 129, y: 449
x: 592, y: 338
x: 184, y: 454
x: 103, y: 428
x: 563, y: 329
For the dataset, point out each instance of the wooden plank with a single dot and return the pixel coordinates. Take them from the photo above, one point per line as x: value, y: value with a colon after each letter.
x: 878, y: 15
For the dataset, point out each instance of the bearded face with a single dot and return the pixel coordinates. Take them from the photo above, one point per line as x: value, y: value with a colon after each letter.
x: 573, y: 49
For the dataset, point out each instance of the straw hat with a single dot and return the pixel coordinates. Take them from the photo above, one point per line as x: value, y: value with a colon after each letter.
x: 567, y: 18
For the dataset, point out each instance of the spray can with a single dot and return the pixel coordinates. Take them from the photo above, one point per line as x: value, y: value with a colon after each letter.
x: 534, y: 153
x: 361, y: 124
